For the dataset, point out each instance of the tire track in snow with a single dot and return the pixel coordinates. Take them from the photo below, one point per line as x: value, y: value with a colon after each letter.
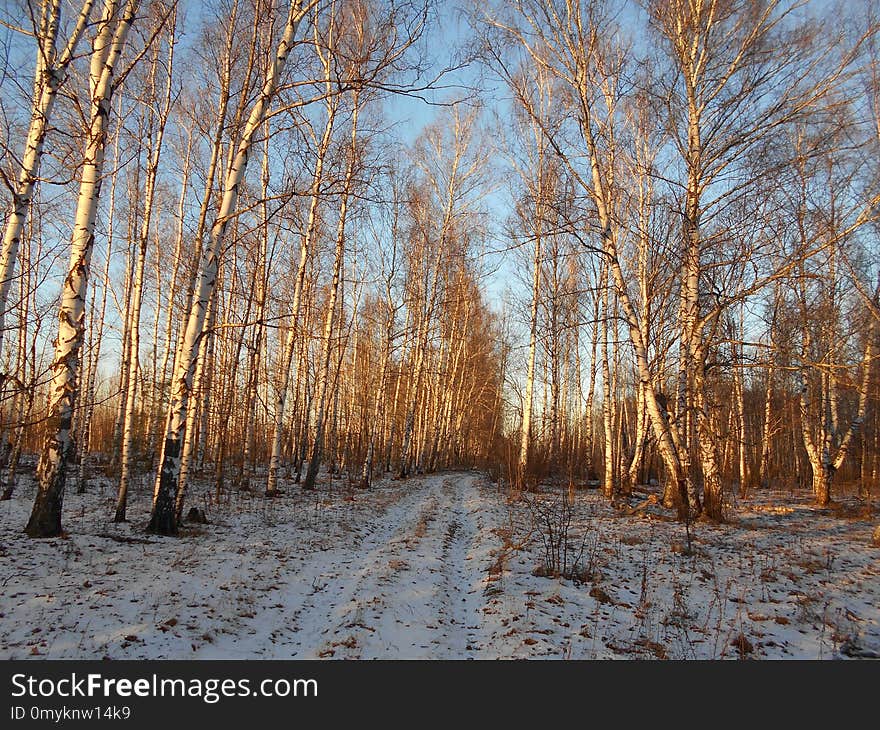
x: 417, y: 596
x: 407, y: 589
x: 462, y: 597
x: 292, y: 621
x: 350, y: 622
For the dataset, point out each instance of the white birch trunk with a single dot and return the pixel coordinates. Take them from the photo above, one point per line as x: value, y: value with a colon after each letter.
x: 154, y: 155
x: 163, y: 518
x: 327, y: 342
x: 378, y: 403
x: 192, y: 416
x: 608, y: 485
x: 306, y: 242
x: 172, y: 286
x: 51, y: 73
x: 45, y: 520
x: 525, y: 437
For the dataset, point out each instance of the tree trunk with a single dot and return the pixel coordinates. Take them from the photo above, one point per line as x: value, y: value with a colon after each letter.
x: 306, y: 243
x: 525, y: 438
x: 163, y: 518
x: 45, y: 519
x: 50, y: 75
x: 608, y: 485
x: 327, y: 339
x: 154, y: 152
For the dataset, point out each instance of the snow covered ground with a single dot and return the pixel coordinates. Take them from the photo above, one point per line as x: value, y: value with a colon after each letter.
x: 440, y: 566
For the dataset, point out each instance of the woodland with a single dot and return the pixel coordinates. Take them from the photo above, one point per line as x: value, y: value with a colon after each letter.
x: 541, y: 272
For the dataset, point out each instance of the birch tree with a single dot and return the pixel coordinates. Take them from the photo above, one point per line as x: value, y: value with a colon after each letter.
x: 157, y: 120
x: 107, y: 49
x: 52, y: 64
x: 568, y: 43
x: 306, y: 249
x: 163, y: 518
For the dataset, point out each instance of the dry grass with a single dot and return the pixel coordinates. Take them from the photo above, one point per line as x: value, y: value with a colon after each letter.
x: 851, y: 510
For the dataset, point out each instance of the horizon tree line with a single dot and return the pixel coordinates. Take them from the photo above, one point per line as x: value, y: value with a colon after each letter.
x: 222, y: 261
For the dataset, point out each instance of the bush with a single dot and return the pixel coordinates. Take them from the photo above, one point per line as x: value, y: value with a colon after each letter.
x: 563, y: 553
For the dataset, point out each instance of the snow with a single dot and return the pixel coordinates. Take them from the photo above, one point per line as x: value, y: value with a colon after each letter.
x: 438, y: 566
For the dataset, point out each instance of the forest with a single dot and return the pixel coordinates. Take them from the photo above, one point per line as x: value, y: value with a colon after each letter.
x: 526, y: 302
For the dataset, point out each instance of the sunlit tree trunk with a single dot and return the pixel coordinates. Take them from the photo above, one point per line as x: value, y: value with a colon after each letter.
x: 193, y: 412
x: 256, y: 344
x: 327, y: 337
x: 290, y: 343
x: 50, y: 75
x: 608, y: 485
x: 163, y: 519
x: 154, y: 155
x: 525, y: 438
x: 177, y: 258
x: 45, y: 519
x: 379, y: 400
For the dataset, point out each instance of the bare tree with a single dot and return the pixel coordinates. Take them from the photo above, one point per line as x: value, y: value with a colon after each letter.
x: 107, y: 48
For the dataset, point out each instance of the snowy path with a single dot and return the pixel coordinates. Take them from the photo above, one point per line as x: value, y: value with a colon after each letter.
x: 437, y: 566
x: 410, y: 589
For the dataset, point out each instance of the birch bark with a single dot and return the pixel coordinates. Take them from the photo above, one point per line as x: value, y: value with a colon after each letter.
x: 45, y: 519
x: 154, y: 156
x: 163, y: 519
x: 51, y: 73
x: 327, y: 337
x: 305, y: 251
